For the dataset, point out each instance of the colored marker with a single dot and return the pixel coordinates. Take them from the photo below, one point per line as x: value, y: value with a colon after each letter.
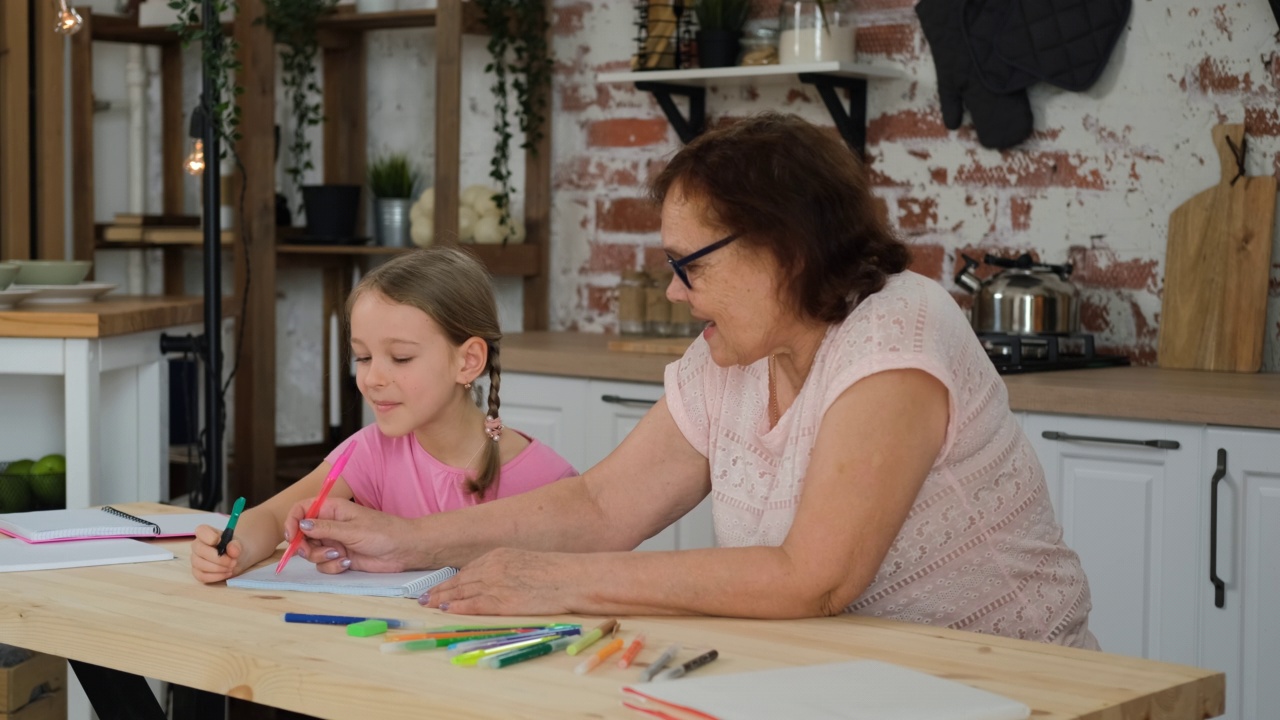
x: 629, y: 656
x: 348, y: 620
x: 314, y: 510
x: 587, y: 640
x: 475, y: 656
x: 594, y: 661
x: 458, y: 648
x: 694, y: 664
x: 231, y: 527
x: 529, y: 653
x: 657, y: 665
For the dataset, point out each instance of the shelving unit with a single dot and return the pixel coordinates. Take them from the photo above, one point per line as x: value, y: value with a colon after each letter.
x: 827, y: 77
x: 259, y: 250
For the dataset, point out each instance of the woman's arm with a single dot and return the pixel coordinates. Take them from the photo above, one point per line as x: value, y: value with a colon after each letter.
x: 652, y: 479
x: 875, y: 447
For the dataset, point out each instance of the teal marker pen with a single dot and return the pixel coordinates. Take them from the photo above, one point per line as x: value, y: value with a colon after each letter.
x: 231, y: 527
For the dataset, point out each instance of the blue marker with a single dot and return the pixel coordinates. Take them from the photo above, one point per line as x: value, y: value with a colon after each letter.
x: 351, y: 620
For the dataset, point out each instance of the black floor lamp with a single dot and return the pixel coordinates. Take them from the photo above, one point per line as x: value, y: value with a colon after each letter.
x: 208, y: 347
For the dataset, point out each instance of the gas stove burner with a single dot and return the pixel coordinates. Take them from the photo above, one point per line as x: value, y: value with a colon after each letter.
x: 1034, y: 353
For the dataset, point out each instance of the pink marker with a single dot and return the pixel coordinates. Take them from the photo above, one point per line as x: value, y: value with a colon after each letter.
x: 314, y: 510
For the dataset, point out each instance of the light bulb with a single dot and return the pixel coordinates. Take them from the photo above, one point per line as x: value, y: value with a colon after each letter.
x: 68, y: 20
x: 194, y: 164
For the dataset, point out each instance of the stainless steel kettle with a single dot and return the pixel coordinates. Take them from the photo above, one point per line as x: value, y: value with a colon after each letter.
x: 1025, y: 298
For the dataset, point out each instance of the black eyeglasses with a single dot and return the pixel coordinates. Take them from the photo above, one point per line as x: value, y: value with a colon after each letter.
x: 677, y: 266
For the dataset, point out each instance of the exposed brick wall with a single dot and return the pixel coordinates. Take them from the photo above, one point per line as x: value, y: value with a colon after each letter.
x: 1094, y: 185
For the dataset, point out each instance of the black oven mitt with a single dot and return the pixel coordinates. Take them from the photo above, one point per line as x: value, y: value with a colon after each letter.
x: 1002, y: 120
x: 1063, y: 42
x: 984, y: 20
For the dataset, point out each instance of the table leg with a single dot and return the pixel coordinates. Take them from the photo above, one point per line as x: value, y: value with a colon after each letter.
x: 82, y: 394
x: 117, y: 695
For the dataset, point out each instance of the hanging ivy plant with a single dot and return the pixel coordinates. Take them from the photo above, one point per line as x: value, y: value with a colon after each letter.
x: 293, y: 24
x: 520, y: 61
x: 219, y: 63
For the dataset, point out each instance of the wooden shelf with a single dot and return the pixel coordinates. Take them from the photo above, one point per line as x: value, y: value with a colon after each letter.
x: 121, y: 29
x: 754, y: 73
x: 510, y: 260
x: 346, y: 19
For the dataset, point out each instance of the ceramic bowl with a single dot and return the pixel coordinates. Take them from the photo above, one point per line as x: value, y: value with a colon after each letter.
x: 52, y: 272
x: 8, y: 271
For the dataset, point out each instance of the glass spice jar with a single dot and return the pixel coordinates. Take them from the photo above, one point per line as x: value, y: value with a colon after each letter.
x: 759, y: 46
x: 657, y: 309
x: 816, y: 31
x: 632, y: 299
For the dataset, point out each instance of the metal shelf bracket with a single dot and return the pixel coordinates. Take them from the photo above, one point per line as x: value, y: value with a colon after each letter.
x: 697, y: 121
x: 851, y: 122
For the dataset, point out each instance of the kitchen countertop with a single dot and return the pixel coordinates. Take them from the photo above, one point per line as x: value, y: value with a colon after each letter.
x: 1134, y: 393
x: 111, y: 315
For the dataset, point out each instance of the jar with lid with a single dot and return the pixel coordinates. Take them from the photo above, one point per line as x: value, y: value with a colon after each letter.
x: 632, y: 298
x: 657, y: 309
x: 759, y: 46
x: 816, y: 31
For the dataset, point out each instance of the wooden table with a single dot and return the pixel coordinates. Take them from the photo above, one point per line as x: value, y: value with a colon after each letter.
x: 114, y: 419
x: 154, y: 619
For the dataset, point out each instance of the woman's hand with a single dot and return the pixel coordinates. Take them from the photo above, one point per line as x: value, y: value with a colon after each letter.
x: 507, y: 581
x: 207, y: 565
x: 345, y: 535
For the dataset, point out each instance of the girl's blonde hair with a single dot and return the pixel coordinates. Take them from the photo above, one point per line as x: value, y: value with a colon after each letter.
x: 456, y: 291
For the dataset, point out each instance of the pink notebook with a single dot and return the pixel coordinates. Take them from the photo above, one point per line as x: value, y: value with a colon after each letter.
x: 106, y: 522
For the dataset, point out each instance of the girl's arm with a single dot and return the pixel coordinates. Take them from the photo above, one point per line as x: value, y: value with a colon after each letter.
x: 259, y: 531
x: 875, y: 447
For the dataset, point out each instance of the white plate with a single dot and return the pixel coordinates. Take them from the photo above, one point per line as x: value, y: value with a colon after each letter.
x: 13, y: 295
x: 84, y: 292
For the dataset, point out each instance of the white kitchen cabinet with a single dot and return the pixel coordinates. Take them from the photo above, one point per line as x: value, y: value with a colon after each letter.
x: 584, y: 420
x: 1241, y: 634
x: 1131, y: 511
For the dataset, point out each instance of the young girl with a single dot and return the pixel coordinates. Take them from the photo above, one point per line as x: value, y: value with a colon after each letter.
x: 424, y: 327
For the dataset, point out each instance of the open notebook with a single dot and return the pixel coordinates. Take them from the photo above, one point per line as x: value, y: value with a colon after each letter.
x: 105, y: 522
x: 302, y: 576
x: 16, y: 556
x: 858, y: 690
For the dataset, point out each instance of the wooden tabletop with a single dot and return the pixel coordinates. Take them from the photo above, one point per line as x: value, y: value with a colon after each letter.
x: 1139, y: 393
x: 111, y: 315
x: 154, y: 619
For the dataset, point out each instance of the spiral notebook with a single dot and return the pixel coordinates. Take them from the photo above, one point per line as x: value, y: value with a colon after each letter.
x: 106, y: 522
x: 302, y: 576
x: 16, y: 556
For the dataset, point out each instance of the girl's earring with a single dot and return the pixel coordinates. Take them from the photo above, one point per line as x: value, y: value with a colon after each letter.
x: 466, y: 386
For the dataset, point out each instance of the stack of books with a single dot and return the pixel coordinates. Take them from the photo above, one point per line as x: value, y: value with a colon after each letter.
x: 158, y: 230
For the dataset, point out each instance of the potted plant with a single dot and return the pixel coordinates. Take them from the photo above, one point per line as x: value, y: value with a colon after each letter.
x: 520, y: 61
x: 392, y: 180
x: 331, y: 210
x: 719, y: 29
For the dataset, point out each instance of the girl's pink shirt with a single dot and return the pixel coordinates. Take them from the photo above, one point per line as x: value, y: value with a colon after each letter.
x: 396, y: 476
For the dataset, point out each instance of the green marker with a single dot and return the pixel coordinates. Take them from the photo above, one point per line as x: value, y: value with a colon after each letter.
x: 367, y: 628
x: 529, y: 653
x: 231, y: 527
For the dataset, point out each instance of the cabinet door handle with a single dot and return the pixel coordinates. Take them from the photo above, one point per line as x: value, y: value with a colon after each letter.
x: 619, y: 400
x: 1067, y: 437
x: 1219, y: 587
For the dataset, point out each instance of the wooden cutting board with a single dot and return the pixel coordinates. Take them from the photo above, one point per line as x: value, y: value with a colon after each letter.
x: 1218, y: 259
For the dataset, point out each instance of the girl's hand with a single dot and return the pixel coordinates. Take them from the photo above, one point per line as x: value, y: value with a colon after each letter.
x: 209, y: 567
x: 507, y: 581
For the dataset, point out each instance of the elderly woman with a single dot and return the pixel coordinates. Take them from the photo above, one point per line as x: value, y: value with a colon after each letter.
x: 856, y: 442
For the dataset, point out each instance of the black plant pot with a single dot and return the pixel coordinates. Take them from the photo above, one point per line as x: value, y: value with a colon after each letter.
x: 717, y: 48
x: 332, y: 210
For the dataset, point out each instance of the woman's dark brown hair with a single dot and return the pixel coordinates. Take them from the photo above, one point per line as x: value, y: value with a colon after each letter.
x: 797, y: 191
x: 455, y: 290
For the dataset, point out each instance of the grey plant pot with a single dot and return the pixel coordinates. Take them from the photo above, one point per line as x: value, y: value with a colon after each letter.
x: 391, y: 221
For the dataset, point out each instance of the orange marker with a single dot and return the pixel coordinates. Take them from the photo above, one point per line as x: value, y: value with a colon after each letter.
x: 632, y: 651
x: 594, y: 661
